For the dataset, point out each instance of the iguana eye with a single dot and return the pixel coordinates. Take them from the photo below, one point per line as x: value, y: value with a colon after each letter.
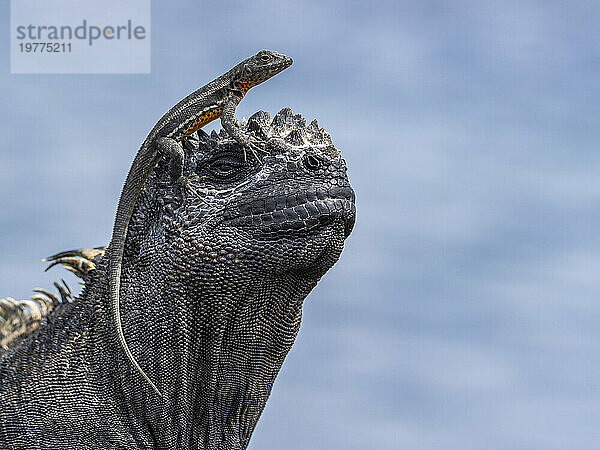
x: 222, y: 169
x: 227, y: 168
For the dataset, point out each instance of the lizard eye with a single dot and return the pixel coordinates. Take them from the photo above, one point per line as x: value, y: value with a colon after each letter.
x: 265, y: 57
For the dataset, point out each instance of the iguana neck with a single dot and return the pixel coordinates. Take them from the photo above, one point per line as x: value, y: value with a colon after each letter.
x: 215, y: 352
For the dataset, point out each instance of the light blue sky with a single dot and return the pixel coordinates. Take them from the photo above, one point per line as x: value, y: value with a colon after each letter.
x: 464, y: 311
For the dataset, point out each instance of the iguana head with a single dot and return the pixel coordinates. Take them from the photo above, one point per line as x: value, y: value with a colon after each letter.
x: 296, y: 207
x: 289, y: 213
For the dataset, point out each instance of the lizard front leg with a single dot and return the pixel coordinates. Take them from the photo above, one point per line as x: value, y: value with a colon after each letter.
x: 230, y: 125
x: 173, y: 150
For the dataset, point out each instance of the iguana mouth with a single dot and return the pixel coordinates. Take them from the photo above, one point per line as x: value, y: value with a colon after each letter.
x: 305, y: 211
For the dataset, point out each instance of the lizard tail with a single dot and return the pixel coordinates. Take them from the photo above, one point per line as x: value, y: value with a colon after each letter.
x: 116, y: 277
x: 143, y: 164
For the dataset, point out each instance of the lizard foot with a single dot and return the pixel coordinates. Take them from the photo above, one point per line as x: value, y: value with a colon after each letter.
x: 186, y: 184
x: 255, y: 146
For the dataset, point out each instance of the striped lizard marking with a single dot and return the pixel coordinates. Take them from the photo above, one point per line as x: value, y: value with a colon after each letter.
x: 203, y: 119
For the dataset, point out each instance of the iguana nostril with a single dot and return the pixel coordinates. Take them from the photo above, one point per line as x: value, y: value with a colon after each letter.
x: 310, y: 162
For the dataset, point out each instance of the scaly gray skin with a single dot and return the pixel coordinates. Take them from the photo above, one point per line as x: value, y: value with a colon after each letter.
x: 212, y: 291
x: 219, y: 98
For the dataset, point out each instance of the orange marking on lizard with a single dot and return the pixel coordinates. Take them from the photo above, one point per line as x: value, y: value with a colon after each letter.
x: 205, y: 118
x: 244, y: 86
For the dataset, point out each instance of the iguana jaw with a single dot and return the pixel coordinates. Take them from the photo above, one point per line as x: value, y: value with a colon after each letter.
x: 307, y: 210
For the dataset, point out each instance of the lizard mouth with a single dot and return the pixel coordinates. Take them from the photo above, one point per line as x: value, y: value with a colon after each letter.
x: 305, y: 211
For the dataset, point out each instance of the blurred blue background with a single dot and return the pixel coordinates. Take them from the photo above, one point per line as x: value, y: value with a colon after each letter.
x: 464, y: 311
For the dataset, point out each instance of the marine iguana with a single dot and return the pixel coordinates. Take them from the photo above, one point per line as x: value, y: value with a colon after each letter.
x: 211, y: 298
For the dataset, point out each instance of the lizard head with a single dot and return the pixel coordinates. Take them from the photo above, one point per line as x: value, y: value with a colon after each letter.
x: 261, y: 67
